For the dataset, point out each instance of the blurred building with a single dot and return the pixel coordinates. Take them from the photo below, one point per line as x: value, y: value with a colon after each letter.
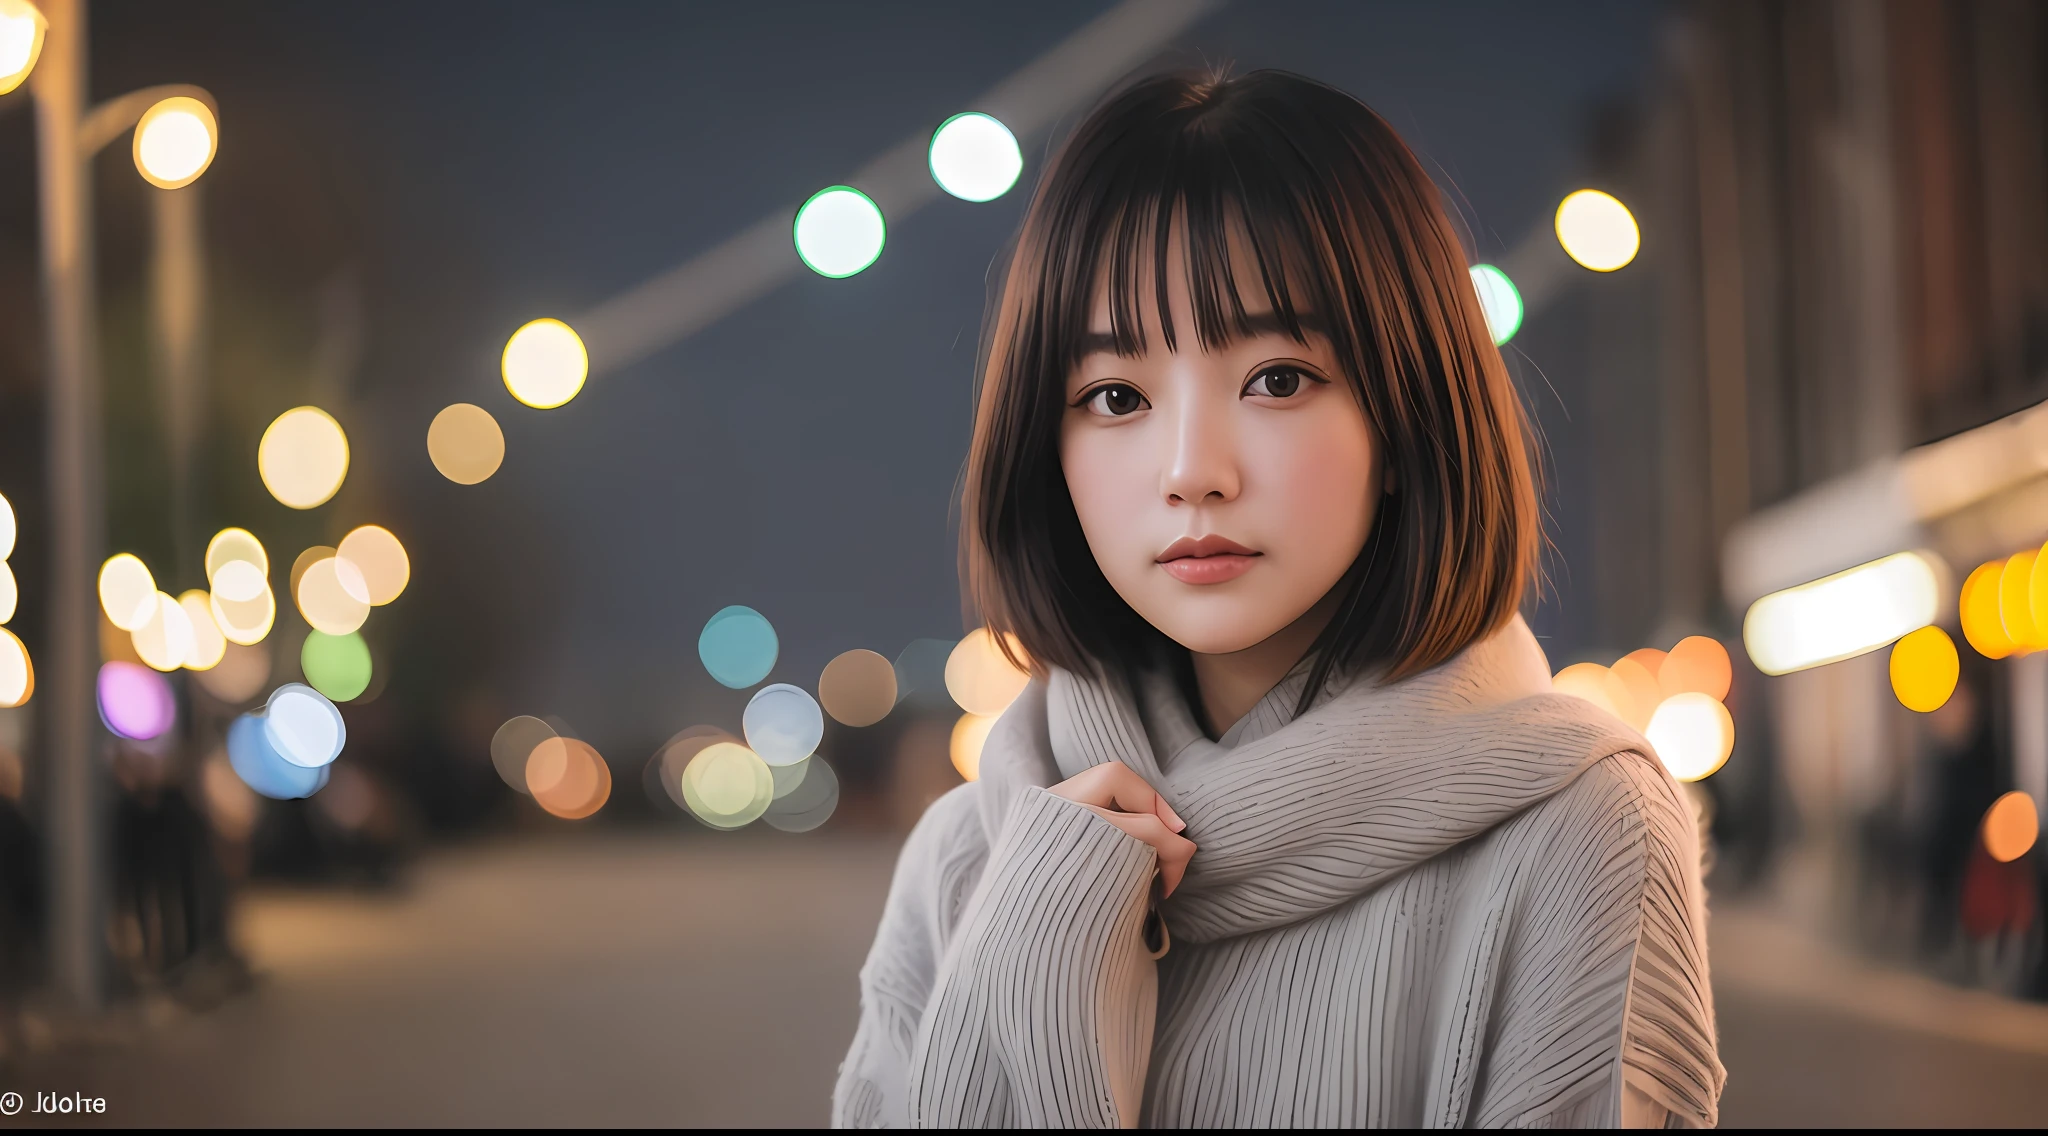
x: 1837, y: 331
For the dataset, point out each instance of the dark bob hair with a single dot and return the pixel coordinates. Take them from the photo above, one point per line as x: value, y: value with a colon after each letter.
x: 1350, y: 238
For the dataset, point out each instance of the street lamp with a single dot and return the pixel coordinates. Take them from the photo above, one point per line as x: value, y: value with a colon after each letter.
x: 176, y: 148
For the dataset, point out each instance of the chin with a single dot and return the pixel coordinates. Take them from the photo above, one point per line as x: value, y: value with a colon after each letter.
x: 1213, y: 636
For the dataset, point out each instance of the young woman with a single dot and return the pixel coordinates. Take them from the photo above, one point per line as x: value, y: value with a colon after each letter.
x: 1289, y: 828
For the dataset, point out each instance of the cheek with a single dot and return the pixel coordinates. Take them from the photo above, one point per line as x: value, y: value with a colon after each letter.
x: 1322, y: 482
x: 1111, y: 478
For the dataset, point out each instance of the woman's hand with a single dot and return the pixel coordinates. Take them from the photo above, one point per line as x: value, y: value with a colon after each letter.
x: 1122, y: 798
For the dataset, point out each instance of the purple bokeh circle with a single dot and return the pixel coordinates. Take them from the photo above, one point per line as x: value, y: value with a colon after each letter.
x: 135, y: 702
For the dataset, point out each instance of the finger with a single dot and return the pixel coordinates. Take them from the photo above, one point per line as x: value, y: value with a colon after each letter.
x: 1173, y: 850
x: 1114, y: 784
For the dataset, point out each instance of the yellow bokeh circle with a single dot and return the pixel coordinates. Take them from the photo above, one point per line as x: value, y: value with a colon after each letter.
x: 209, y: 645
x: 1924, y: 669
x: 243, y: 606
x: 1597, y: 230
x: 165, y: 641
x: 230, y: 545
x: 127, y: 591
x: 330, y: 596
x: 545, y: 364
x: 1693, y: 735
x: 380, y: 562
x: 465, y: 443
x: 175, y: 141
x: 727, y: 785
x: 970, y: 735
x: 17, y: 673
x: 1983, y: 627
x: 980, y: 678
x: 303, y: 457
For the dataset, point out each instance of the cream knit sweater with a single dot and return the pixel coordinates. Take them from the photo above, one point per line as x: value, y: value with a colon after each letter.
x: 1459, y: 899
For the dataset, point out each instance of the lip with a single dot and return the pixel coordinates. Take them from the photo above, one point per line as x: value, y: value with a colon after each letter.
x: 1208, y: 560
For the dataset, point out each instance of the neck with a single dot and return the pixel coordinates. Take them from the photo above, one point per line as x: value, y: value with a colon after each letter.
x: 1231, y: 684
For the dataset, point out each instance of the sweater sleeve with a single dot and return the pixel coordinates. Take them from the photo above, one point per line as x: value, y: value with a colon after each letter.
x: 935, y: 873
x: 1042, y: 1011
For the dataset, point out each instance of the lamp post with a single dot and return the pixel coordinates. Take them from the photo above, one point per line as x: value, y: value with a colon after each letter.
x: 169, y: 155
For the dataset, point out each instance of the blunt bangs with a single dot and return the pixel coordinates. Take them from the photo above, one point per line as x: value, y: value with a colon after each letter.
x: 1294, y: 182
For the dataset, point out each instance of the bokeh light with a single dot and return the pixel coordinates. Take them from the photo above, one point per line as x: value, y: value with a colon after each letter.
x: 175, y: 141
x: 242, y: 674
x: 545, y: 364
x: 337, y: 666
x: 783, y: 724
x: 135, y: 702
x: 2011, y: 825
x: 970, y: 734
x: 1651, y: 658
x: 807, y: 804
x: 239, y: 581
x: 1699, y: 664
x: 1643, y: 692
x: 10, y: 592
x: 974, y: 157
x: 244, y: 607
x: 1983, y: 627
x: 921, y: 670
x: 1841, y: 616
x: 17, y: 671
x: 303, y: 457
x: 1499, y: 300
x: 209, y: 646
x: 256, y: 761
x: 305, y: 560
x: 166, y: 641
x: 839, y: 232
x: 303, y: 726
x: 1597, y: 230
x: 858, y: 688
x: 8, y: 528
x: 21, y: 42
x: 1924, y: 669
x: 738, y: 646
x: 727, y: 785
x: 465, y: 443
x: 380, y: 561
x: 127, y: 591
x: 667, y: 766
x: 568, y: 778
x: 230, y: 545
x: 1693, y: 735
x: 329, y: 602
x: 1595, y: 684
x: 513, y: 745
x: 2015, y: 609
x: 980, y: 679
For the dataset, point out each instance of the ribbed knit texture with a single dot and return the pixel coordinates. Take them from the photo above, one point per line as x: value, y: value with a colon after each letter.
x: 1456, y: 900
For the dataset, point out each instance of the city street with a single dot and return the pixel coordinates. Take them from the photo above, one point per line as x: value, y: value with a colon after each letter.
x: 640, y: 980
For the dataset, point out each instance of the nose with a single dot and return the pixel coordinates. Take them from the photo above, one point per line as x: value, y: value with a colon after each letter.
x: 1201, y: 467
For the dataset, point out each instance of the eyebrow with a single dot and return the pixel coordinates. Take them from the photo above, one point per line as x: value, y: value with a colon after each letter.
x: 1264, y: 323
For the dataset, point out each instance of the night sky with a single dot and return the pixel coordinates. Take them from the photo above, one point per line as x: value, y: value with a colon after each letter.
x: 401, y: 186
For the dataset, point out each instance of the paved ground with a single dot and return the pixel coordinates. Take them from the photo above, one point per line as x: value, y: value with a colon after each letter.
x: 635, y: 981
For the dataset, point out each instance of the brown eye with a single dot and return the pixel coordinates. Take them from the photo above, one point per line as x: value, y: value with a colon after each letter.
x: 1115, y: 400
x: 1276, y: 382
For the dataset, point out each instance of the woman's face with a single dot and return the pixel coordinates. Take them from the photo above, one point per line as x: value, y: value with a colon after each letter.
x: 1223, y: 493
